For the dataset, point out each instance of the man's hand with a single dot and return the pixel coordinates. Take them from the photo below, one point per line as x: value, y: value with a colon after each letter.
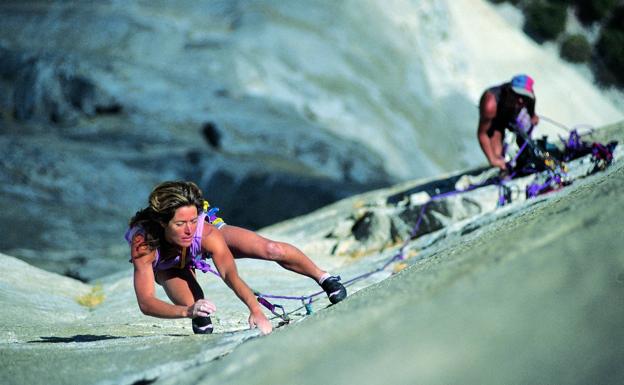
x: 534, y: 120
x: 201, y: 308
x: 499, y: 162
x: 258, y: 319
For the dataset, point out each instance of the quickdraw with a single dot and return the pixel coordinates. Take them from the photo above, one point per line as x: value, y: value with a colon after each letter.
x: 273, y: 308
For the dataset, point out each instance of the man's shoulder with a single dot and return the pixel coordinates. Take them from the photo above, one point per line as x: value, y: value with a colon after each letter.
x: 488, y: 105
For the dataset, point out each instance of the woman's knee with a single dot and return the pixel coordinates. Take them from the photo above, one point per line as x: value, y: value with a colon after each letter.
x: 275, y: 251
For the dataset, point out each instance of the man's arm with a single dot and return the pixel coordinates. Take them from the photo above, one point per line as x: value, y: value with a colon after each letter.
x: 213, y: 242
x: 534, y: 118
x: 487, y: 113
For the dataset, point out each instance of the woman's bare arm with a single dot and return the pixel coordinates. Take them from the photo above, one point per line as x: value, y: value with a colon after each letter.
x: 144, y: 284
x: 213, y: 242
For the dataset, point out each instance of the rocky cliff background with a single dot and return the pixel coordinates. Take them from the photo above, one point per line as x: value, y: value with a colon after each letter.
x: 274, y: 108
x: 278, y: 109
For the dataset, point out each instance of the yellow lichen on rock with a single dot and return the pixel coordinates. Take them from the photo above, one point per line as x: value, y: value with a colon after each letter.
x: 93, y: 298
x: 398, y: 267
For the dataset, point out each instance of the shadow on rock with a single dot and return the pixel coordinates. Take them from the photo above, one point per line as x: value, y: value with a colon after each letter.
x: 76, y: 338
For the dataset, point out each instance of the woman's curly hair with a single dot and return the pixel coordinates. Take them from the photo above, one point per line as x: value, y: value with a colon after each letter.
x: 164, y: 200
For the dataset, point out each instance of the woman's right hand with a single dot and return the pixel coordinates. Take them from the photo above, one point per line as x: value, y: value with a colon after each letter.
x: 259, y: 320
x: 201, y: 308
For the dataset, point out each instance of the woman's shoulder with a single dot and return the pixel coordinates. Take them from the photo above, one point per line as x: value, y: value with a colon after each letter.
x: 207, y: 231
x: 132, y: 231
x: 211, y: 238
x: 139, y: 247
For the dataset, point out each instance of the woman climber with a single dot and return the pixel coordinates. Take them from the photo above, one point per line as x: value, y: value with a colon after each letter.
x: 173, y: 233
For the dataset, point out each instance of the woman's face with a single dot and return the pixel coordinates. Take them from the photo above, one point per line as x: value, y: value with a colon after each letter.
x: 181, y: 228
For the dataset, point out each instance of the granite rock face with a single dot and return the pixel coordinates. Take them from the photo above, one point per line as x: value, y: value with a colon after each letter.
x: 528, y: 293
x: 276, y: 109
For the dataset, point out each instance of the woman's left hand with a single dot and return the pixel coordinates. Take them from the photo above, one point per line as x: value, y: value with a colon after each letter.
x: 259, y: 320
